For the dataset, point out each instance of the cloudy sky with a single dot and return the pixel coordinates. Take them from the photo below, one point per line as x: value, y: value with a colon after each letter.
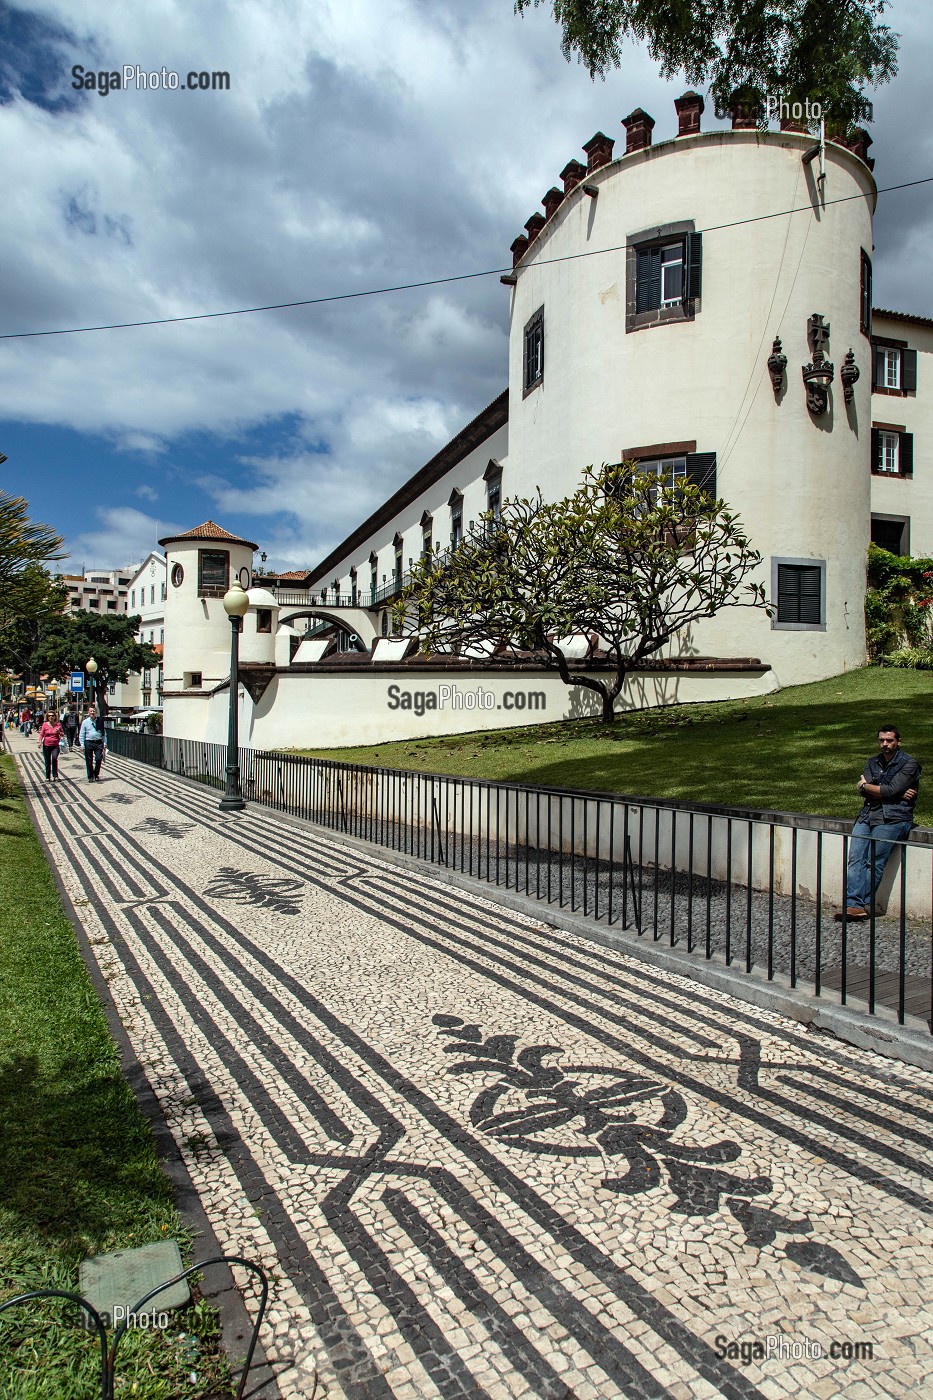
x: 361, y: 144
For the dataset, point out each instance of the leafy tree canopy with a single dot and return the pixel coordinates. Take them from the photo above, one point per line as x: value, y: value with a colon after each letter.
x: 790, y: 49
x: 630, y: 562
x: 29, y: 601
x: 23, y: 542
x: 67, y: 643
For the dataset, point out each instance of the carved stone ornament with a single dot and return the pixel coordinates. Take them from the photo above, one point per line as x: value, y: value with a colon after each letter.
x: 777, y: 364
x: 819, y: 373
x: 849, y: 374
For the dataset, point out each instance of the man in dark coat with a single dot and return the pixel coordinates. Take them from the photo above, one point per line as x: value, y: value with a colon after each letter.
x: 889, y: 785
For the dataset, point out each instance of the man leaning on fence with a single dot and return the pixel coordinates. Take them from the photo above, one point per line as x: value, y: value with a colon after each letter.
x: 888, y: 785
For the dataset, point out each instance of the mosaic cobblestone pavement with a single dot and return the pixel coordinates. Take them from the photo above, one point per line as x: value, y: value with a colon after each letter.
x: 484, y: 1158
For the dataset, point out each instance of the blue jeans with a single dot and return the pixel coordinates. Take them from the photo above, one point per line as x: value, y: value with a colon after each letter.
x: 861, y: 851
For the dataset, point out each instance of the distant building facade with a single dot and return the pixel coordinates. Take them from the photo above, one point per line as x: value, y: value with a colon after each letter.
x: 146, y: 590
x: 99, y: 590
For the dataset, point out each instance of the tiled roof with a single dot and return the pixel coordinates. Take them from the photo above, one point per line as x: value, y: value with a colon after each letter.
x: 208, y: 531
x: 294, y: 573
x: 902, y: 316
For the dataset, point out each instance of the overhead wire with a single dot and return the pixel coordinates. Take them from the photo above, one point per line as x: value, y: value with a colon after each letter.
x: 428, y: 282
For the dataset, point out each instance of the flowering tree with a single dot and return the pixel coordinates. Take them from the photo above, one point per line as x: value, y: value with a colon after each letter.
x: 625, y: 559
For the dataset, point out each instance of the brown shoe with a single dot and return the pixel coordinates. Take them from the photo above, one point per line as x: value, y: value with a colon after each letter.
x: 852, y: 915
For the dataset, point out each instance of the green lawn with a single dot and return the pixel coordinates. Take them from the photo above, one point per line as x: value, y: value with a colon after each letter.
x: 78, y: 1168
x: 799, y: 750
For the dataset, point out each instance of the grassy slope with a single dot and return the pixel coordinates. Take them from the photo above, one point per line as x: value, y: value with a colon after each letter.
x: 799, y: 750
x: 78, y: 1169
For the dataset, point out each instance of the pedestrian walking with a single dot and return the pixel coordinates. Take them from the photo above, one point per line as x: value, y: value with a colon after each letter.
x: 50, y: 737
x: 92, y: 742
x: 70, y: 726
x: 26, y: 722
x: 889, y: 785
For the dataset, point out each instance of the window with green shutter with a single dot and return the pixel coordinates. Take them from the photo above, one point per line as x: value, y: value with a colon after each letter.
x: 799, y: 595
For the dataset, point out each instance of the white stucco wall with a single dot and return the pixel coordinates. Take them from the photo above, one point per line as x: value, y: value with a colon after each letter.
x: 800, y: 485
x: 342, y: 709
x: 908, y: 497
x: 197, y: 630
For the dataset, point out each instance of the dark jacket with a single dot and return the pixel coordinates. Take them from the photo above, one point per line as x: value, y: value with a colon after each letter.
x: 894, y: 778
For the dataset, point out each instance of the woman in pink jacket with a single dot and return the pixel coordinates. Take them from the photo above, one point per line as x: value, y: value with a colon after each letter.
x: 50, y: 737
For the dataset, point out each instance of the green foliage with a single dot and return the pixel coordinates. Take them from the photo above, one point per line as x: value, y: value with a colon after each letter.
x: 79, y: 1173
x: 798, y: 49
x: 626, y: 561
x: 28, y: 602
x: 68, y: 642
x: 23, y: 542
x: 28, y: 594
x: 899, y: 608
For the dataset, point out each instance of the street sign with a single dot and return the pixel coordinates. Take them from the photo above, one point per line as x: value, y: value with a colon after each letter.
x: 76, y: 682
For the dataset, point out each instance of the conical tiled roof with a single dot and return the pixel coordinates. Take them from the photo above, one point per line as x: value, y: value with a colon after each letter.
x: 208, y: 531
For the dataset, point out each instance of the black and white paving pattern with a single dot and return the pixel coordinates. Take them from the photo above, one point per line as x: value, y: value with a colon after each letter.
x: 484, y: 1158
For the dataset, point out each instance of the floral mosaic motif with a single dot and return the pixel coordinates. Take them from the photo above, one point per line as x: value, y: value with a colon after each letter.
x: 583, y: 1110
x: 120, y: 799
x: 264, y: 891
x: 165, y: 826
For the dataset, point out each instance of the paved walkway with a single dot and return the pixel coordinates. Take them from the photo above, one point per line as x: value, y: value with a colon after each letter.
x: 484, y: 1158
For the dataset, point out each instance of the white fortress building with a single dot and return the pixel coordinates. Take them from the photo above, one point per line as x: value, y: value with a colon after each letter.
x: 665, y: 307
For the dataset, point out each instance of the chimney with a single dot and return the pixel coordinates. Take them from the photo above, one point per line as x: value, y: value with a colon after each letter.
x: 744, y: 109
x: 598, y: 152
x: 689, y: 109
x: 518, y: 249
x: 859, y: 140
x: 552, y: 201
x: 638, y: 128
x: 534, y: 226
x: 572, y: 173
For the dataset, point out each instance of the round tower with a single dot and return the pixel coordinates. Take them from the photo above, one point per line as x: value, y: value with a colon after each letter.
x: 711, y: 339
x: 260, y: 626
x: 201, y: 564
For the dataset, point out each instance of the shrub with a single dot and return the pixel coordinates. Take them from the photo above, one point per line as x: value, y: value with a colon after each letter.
x: 898, y: 604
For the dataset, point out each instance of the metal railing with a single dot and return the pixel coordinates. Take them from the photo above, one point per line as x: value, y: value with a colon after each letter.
x: 88, y: 1316
x: 753, y: 891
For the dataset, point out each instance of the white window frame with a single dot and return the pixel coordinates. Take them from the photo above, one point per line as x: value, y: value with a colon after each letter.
x: 891, y: 370
x: 890, y: 452
x: 668, y: 470
x: 667, y: 261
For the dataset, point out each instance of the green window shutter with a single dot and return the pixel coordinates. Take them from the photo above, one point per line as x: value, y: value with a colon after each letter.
x: 701, y: 471
x: 876, y: 449
x: 693, y: 266
x: 875, y: 367
x: 799, y: 594
x: 905, y: 454
x: 909, y: 370
x: 648, y: 279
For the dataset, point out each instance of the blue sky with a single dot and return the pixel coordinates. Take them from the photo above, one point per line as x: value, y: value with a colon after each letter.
x: 361, y: 143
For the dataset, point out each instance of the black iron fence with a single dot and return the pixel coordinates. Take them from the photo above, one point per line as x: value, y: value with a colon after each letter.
x: 762, y: 892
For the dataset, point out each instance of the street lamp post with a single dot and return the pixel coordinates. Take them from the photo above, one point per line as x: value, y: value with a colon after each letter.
x: 236, y: 604
x: 91, y: 668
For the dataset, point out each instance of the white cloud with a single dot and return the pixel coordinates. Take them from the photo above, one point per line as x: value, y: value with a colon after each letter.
x: 124, y: 536
x: 362, y: 143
